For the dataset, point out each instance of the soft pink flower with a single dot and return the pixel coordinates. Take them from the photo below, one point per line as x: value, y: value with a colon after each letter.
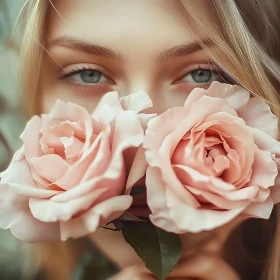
x: 69, y: 177
x: 212, y: 160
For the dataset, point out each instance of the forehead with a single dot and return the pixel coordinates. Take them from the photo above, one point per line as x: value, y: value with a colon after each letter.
x: 128, y: 25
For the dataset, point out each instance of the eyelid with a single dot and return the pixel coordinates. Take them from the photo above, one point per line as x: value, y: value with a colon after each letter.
x: 77, y: 68
x: 192, y: 68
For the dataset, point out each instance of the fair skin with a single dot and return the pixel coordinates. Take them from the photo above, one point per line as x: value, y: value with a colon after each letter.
x: 139, y: 33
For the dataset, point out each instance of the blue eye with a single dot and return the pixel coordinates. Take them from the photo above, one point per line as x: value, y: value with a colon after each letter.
x: 88, y: 77
x: 202, y: 76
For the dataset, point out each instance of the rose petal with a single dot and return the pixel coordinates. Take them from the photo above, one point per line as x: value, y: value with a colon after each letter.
x: 109, y: 178
x: 235, y: 166
x: 266, y: 142
x: 73, y: 146
x: 131, y: 136
x: 74, y: 113
x: 50, y: 211
x: 262, y: 195
x: 115, y: 173
x: 18, y: 176
x: 105, y: 115
x: 182, y: 154
x: 228, y: 201
x: 221, y: 163
x: 110, y: 99
x: 180, y: 218
x: 50, y: 167
x: 40, y: 182
x: 156, y: 196
x: 100, y: 214
x: 15, y: 215
x: 77, y: 171
x: 204, y: 107
x: 264, y: 170
x: 156, y: 191
x: 137, y: 102
x: 101, y: 161
x: 49, y: 140
x: 257, y: 114
x: 31, y: 137
x: 275, y: 194
x: 237, y: 137
x: 190, y: 176
x: 145, y: 118
x: 260, y: 210
x: 138, y: 169
x: 234, y: 95
x: 67, y: 111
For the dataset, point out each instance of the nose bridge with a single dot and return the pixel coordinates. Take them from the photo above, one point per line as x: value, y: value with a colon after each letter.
x: 139, y: 72
x: 141, y: 80
x: 140, y: 85
x: 148, y: 86
x: 140, y: 75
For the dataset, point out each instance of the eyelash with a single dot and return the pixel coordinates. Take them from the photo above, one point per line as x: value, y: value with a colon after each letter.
x: 225, y: 77
x: 79, y: 70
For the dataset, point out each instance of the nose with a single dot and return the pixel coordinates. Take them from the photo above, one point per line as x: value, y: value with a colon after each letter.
x: 138, y: 85
x: 148, y: 86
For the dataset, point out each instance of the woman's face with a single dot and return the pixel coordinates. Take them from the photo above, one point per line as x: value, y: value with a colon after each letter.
x: 96, y: 46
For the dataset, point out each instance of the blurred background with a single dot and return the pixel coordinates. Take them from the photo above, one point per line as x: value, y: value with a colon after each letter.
x: 16, y: 262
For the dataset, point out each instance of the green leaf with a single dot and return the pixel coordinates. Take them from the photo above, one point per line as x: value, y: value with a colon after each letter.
x: 160, y: 250
x: 126, y: 216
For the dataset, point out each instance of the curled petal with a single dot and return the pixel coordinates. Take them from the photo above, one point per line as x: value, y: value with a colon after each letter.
x: 50, y: 211
x: 260, y: 210
x: 145, y: 118
x: 73, y: 146
x: 69, y: 111
x: 110, y: 99
x: 136, y: 102
x: 180, y: 217
x: 190, y: 176
x: 31, y: 138
x: 51, y: 167
x: 138, y: 169
x: 264, y: 170
x: 101, y: 214
x: 77, y: 171
x: 16, y: 216
x: 235, y: 96
x: 257, y: 114
x: 265, y: 142
x: 19, y: 178
x: 156, y: 192
x: 275, y: 194
x: 226, y: 202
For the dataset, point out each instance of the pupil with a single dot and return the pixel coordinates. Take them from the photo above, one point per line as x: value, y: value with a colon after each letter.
x: 202, y: 76
x: 91, y: 76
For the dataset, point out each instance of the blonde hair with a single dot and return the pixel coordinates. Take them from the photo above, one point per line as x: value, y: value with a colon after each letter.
x: 247, y: 54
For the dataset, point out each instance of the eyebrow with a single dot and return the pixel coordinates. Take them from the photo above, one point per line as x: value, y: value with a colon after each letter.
x: 102, y: 51
x: 182, y: 50
x: 86, y: 47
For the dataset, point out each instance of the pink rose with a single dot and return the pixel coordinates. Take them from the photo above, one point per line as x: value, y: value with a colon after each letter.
x: 212, y: 160
x: 70, y: 175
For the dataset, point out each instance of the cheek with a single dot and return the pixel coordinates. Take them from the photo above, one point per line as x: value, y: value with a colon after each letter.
x: 172, y: 96
x: 67, y: 93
